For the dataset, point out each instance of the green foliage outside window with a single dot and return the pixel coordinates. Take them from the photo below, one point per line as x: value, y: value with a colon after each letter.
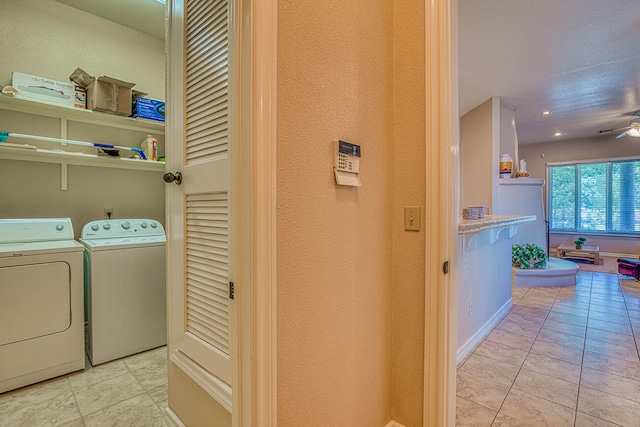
x: 601, y: 197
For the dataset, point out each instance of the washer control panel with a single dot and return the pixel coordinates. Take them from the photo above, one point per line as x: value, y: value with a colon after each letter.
x: 110, y: 228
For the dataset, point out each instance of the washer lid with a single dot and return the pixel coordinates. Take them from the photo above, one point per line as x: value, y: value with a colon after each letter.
x: 37, y: 248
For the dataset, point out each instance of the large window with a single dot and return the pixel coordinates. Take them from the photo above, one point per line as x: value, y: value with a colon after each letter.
x: 595, y: 197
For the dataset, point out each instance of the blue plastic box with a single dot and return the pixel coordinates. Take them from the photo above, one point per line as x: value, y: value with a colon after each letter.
x: 146, y: 108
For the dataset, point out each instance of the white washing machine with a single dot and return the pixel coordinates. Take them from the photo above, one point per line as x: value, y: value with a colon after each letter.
x: 125, y: 287
x: 41, y: 311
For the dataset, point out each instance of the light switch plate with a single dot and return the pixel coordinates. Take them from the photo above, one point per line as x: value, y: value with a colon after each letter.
x: 412, y: 218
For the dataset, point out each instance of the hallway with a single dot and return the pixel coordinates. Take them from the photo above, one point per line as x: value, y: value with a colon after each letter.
x: 563, y: 356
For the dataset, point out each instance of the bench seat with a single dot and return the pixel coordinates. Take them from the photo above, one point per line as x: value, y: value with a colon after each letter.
x: 629, y: 267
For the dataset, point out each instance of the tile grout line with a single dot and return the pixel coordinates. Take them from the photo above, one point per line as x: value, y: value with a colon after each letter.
x: 75, y: 399
x: 584, y: 349
x: 478, y: 346
x: 535, y: 339
x: 65, y: 384
x: 146, y: 392
x: 583, y: 346
x: 525, y: 358
x: 595, y: 293
x: 603, y: 372
x: 633, y: 332
x: 129, y: 371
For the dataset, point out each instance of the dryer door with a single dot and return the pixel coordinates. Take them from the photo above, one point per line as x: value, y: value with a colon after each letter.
x: 35, y: 300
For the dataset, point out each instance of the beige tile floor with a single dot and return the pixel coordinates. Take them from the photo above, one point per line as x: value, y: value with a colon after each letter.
x: 563, y: 356
x: 127, y: 392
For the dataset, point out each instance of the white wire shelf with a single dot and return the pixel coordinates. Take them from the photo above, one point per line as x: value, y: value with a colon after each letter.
x: 80, y: 115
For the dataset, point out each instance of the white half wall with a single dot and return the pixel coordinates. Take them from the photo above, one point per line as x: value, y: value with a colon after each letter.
x: 484, y: 286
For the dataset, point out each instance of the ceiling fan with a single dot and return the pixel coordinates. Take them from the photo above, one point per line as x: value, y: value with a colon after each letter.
x: 632, y: 130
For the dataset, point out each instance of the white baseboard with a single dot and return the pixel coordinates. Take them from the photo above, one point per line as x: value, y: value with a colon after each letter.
x: 482, y: 332
x: 216, y: 388
x: 172, y: 418
x: 176, y: 422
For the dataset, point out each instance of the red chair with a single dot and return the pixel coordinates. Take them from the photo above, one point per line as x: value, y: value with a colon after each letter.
x: 629, y: 267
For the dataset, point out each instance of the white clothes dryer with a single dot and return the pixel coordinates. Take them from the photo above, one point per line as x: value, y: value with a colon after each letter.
x: 41, y: 312
x: 125, y: 287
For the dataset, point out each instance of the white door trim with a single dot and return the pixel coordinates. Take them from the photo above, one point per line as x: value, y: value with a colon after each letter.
x: 440, y: 333
x: 256, y: 376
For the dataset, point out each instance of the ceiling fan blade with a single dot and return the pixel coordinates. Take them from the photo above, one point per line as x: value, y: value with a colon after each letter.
x: 623, y: 134
x: 603, y: 131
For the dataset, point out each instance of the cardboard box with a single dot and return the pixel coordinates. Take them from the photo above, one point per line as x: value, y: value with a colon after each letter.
x: 40, y: 89
x: 105, y: 93
x: 80, y: 99
x: 147, y: 108
x: 110, y: 95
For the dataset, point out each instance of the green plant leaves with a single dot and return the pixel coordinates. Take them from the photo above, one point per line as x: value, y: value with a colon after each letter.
x: 528, y: 255
x: 580, y: 241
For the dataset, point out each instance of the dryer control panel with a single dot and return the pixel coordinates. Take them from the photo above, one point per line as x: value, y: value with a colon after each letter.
x: 110, y: 228
x: 25, y: 230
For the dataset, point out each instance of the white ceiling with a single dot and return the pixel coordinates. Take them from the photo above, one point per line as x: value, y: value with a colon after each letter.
x: 578, y: 58
x: 146, y: 16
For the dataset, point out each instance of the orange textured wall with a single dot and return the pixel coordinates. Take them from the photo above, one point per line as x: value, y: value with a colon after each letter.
x: 334, y: 271
x: 409, y: 190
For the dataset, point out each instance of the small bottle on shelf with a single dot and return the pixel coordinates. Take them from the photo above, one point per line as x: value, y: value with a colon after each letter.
x: 150, y: 148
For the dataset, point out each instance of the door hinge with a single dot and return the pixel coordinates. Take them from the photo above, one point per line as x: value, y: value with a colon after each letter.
x: 232, y: 290
x: 445, y: 267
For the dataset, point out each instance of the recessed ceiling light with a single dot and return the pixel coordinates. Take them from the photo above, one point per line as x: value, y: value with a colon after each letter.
x: 557, y: 134
x: 545, y: 113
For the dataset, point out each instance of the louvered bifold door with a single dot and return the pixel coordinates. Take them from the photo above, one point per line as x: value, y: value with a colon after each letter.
x: 204, y: 193
x: 207, y: 275
x: 207, y: 80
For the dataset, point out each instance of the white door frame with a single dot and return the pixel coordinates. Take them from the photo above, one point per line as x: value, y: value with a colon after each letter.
x: 441, y: 212
x: 255, y: 392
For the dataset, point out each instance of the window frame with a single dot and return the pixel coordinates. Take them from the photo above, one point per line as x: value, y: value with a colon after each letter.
x: 609, y: 200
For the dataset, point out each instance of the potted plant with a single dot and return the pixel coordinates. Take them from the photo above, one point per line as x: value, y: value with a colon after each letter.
x: 528, y: 255
x: 580, y: 242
